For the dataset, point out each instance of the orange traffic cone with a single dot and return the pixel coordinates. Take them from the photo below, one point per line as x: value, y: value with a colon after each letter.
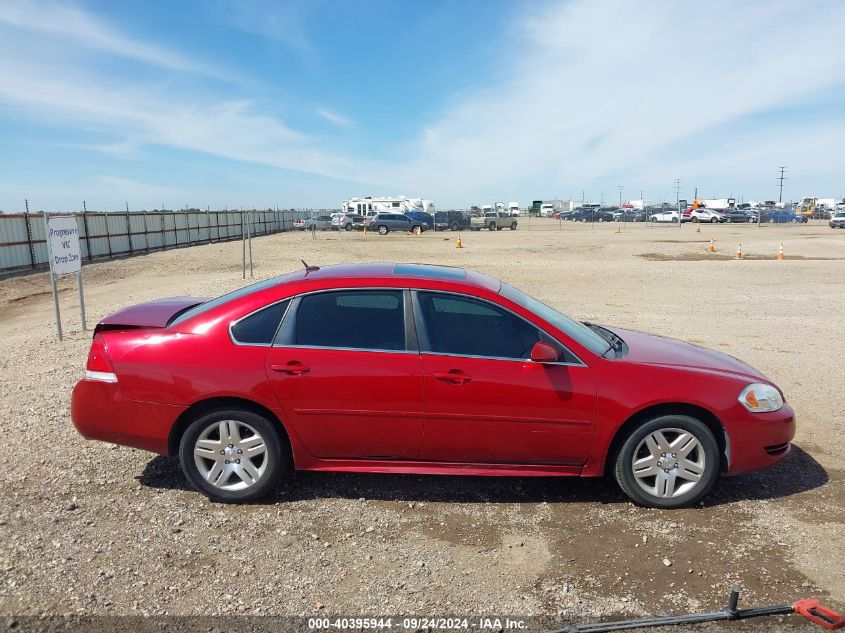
x: 780, y: 251
x: 698, y: 227
x: 739, y: 251
x: 618, y: 228
x: 712, y: 247
x: 458, y: 244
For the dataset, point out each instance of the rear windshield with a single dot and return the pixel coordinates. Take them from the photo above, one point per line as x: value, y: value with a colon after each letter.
x: 578, y: 331
x: 209, y: 305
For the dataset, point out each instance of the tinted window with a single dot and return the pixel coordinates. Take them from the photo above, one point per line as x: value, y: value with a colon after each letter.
x: 360, y: 319
x: 259, y: 328
x: 468, y: 327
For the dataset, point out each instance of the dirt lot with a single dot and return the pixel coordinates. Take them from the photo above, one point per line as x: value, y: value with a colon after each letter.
x: 98, y: 529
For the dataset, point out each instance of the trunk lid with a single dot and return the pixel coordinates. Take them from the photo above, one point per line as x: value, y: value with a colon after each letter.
x: 152, y: 314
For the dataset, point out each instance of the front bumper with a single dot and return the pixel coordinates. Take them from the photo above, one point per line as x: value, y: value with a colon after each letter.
x: 100, y: 412
x: 758, y: 440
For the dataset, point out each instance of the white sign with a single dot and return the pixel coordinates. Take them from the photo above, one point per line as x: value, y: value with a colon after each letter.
x: 64, y: 244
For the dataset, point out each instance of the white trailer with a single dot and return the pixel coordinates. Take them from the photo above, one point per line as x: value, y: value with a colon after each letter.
x: 513, y: 208
x: 370, y: 205
x: 717, y: 203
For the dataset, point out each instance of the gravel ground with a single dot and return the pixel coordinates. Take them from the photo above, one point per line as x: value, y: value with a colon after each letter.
x: 93, y: 529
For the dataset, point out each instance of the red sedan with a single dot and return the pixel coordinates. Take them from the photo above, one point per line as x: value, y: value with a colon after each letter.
x: 408, y: 368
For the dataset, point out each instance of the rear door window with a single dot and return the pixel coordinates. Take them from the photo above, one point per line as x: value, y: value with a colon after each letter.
x: 356, y: 319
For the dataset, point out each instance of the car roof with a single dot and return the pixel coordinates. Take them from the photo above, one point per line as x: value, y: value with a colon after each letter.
x: 393, y: 271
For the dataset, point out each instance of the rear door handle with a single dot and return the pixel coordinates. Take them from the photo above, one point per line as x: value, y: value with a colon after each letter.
x: 455, y: 376
x: 294, y: 368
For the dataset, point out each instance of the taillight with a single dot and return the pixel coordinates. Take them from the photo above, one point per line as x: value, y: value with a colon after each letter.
x: 99, y: 366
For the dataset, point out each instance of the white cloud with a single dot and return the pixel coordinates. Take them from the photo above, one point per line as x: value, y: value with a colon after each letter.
x: 334, y: 117
x: 596, y: 90
x: 64, y: 20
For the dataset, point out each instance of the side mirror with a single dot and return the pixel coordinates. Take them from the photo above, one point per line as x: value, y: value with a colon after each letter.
x: 544, y: 353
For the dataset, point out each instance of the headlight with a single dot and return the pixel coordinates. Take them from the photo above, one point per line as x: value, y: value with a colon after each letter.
x: 760, y: 398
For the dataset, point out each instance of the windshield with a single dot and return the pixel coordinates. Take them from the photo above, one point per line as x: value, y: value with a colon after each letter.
x: 578, y: 331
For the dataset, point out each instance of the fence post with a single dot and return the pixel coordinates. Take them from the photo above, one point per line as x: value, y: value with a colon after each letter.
x: 163, y: 236
x: 29, y: 239
x: 146, y: 233
x: 87, y: 236
x: 105, y: 215
x: 129, y: 232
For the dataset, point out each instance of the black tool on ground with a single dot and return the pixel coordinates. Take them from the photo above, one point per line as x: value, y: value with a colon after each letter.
x: 810, y: 608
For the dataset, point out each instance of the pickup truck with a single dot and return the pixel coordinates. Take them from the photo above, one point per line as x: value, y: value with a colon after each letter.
x: 837, y: 220
x: 494, y: 221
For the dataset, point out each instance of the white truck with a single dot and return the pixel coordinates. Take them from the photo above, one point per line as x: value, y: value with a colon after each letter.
x: 513, y: 208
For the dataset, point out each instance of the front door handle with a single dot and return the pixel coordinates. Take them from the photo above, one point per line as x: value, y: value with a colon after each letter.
x: 455, y: 376
x: 294, y: 368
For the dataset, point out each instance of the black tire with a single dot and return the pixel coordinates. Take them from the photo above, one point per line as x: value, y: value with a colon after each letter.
x: 713, y: 220
x: 383, y: 230
x: 349, y: 226
x: 513, y: 226
x: 623, y: 466
x: 492, y: 226
x: 277, y: 459
x: 454, y: 226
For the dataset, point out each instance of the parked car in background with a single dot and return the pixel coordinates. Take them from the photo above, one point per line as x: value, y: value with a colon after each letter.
x: 471, y: 376
x: 629, y: 215
x: 706, y: 215
x: 348, y: 222
x: 319, y: 222
x: 664, y: 216
x: 451, y: 220
x: 494, y: 221
x: 783, y: 217
x: 837, y: 220
x: 738, y: 215
x: 422, y: 217
x: 384, y: 223
x: 606, y: 214
x: 583, y: 215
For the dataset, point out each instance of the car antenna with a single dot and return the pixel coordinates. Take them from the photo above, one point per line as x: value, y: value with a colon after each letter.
x: 309, y: 269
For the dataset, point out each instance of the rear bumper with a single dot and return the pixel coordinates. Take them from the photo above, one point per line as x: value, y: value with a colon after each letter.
x: 100, y: 412
x: 758, y: 440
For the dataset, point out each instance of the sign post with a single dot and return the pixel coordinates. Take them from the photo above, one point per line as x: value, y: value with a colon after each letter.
x: 62, y: 236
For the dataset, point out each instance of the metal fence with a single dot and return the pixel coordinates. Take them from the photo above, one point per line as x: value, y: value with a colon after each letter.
x: 106, y: 235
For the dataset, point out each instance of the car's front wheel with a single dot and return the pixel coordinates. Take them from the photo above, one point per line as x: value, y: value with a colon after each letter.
x: 232, y: 455
x: 383, y: 230
x: 668, y: 462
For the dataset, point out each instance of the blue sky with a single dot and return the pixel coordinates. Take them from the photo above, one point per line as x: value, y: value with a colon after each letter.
x: 258, y: 103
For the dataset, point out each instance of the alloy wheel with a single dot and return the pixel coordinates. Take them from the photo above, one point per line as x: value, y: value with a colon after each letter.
x: 230, y: 455
x: 668, y: 462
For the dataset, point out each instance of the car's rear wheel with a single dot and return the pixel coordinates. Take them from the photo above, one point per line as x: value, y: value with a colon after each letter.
x: 349, y: 226
x: 668, y: 462
x: 492, y: 226
x: 232, y: 455
x: 513, y: 226
x: 713, y: 220
x: 454, y: 226
x: 383, y: 230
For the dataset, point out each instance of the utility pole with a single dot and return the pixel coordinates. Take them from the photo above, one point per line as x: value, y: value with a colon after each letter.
x: 781, y: 178
x: 678, y: 201
x: 620, y: 194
